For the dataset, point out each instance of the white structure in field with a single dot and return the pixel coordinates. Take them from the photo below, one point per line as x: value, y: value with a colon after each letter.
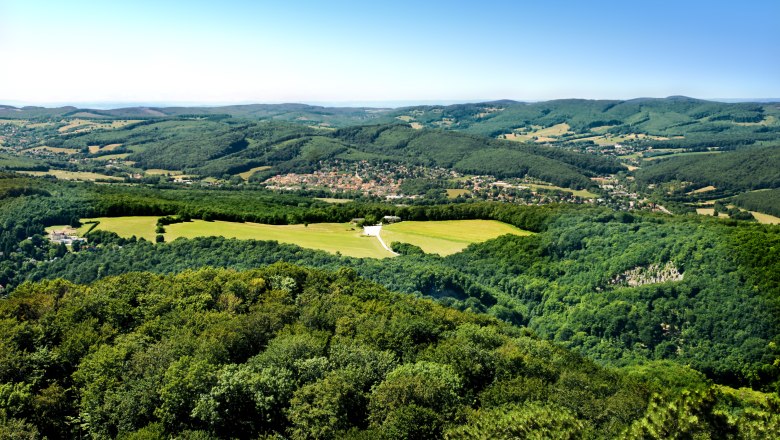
x: 375, y: 231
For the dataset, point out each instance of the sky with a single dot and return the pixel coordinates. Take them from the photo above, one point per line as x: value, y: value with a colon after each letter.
x: 234, y: 51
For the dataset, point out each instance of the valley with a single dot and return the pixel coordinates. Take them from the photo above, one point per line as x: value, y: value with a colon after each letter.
x: 573, y: 226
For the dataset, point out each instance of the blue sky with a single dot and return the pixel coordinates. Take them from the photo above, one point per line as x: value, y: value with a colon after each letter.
x: 400, y: 51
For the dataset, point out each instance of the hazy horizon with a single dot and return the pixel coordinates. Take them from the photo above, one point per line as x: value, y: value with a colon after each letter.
x: 239, y: 51
x: 336, y: 104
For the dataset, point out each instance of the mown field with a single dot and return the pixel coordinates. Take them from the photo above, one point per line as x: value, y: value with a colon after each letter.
x: 140, y: 226
x: 329, y: 237
x: 439, y: 237
x: 449, y: 236
x: 72, y: 175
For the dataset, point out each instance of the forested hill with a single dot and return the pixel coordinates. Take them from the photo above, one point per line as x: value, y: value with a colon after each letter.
x: 301, y: 113
x: 672, y: 116
x: 218, y: 147
x: 730, y: 171
x: 285, y: 352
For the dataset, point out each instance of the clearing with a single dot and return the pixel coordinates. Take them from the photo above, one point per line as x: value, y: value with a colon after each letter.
x: 247, y: 174
x: 57, y: 150
x: 333, y: 201
x: 329, y: 237
x: 448, y: 236
x: 72, y: 175
x: 765, y: 218
x: 703, y: 190
x: 161, y: 172
x: 441, y: 237
x: 453, y: 193
x: 141, y: 226
x: 577, y: 192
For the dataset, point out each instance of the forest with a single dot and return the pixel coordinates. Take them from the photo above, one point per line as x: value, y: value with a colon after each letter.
x: 288, y: 351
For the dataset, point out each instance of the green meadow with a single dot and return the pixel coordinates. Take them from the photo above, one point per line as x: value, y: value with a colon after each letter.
x: 448, y: 236
x: 440, y: 237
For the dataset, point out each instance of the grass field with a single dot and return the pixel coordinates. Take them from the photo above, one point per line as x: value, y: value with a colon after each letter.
x: 161, y: 172
x: 71, y: 175
x: 329, y: 237
x: 453, y: 193
x: 332, y: 200
x: 111, y: 156
x: 441, y: 237
x: 55, y: 150
x: 449, y: 236
x: 577, y: 192
x: 703, y: 190
x: 766, y: 218
x: 247, y: 174
x: 141, y: 227
x: 687, y: 153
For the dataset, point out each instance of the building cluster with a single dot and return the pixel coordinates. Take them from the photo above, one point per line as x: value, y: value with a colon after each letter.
x: 66, y: 236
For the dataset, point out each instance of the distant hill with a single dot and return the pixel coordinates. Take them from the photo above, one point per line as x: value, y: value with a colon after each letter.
x: 231, y: 146
x: 672, y: 116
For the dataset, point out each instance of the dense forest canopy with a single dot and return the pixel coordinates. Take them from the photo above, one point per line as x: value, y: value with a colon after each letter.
x: 309, y: 354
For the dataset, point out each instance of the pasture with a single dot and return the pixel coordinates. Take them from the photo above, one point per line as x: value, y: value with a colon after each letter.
x: 577, y: 192
x: 765, y: 218
x: 453, y: 193
x: 440, y: 237
x: 247, y: 174
x: 72, y: 175
x: 329, y: 237
x: 448, y: 236
x: 141, y: 226
x: 56, y: 150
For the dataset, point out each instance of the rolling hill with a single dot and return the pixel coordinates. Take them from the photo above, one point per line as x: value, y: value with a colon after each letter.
x: 232, y: 146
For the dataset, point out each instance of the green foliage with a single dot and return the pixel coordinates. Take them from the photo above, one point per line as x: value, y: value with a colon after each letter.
x: 749, y: 168
x: 767, y: 201
x: 287, y: 351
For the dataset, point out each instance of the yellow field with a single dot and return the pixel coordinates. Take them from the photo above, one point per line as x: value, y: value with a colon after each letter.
x: 73, y: 124
x: 333, y: 201
x: 111, y: 156
x: 55, y: 150
x: 453, y: 193
x: 247, y: 174
x: 416, y: 125
x: 703, y: 190
x: 577, y: 192
x: 82, y: 125
x: 329, y: 237
x: 448, y: 236
x: 161, y: 172
x: 541, y: 134
x: 71, y: 175
x: 441, y: 237
x: 766, y: 218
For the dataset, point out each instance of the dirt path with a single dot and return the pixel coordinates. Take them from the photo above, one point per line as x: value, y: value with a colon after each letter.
x: 375, y: 231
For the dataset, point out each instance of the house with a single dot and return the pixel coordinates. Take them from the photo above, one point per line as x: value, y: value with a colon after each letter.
x: 391, y: 219
x: 66, y: 236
